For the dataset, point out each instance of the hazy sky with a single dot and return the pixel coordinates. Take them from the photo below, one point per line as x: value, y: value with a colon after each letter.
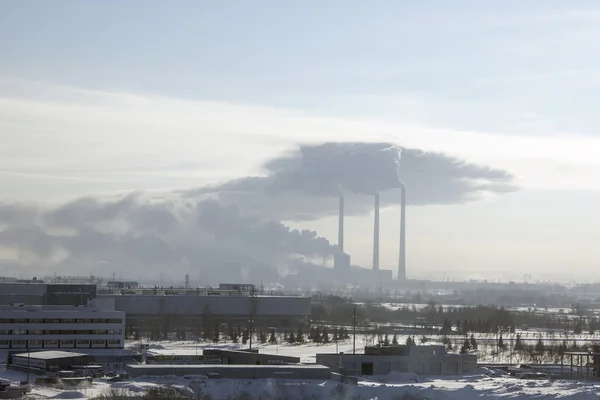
x: 105, y: 96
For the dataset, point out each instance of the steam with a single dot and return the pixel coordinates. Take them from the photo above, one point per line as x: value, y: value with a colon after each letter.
x: 297, y: 186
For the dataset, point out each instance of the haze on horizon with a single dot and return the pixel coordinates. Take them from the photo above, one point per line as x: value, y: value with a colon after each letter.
x: 112, y: 113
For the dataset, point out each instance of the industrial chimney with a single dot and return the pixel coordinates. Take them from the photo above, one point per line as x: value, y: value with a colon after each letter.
x: 402, y: 258
x: 341, y: 224
x: 376, y: 235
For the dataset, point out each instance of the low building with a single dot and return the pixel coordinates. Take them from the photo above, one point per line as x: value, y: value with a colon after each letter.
x: 423, y: 360
x: 42, y: 361
x: 319, y: 372
x: 61, y: 327
x: 241, y: 357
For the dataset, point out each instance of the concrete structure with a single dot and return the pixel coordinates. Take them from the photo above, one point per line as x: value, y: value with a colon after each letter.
x: 184, y: 310
x: 61, y: 327
x: 41, y: 293
x: 249, y: 357
x: 402, y: 255
x: 376, y: 235
x: 341, y: 223
x: 41, y: 361
x: 423, y: 360
x: 319, y: 372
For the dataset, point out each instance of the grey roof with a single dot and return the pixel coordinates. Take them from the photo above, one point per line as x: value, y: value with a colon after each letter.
x: 50, y: 355
x: 223, y: 366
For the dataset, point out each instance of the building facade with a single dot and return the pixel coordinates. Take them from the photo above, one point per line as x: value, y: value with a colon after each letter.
x: 187, y: 310
x: 422, y: 360
x: 41, y: 293
x: 61, y: 327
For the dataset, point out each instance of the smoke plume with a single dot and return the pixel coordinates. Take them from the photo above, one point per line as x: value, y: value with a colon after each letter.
x: 229, y: 232
x: 298, y: 185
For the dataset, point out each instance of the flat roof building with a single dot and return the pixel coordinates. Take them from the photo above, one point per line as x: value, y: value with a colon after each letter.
x: 47, y: 360
x: 423, y: 360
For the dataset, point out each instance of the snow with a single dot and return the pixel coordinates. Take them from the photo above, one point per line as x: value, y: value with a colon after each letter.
x: 485, y: 383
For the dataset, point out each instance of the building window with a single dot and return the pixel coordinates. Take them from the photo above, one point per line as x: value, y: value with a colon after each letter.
x: 36, y: 332
x: 19, y: 332
x: 52, y: 321
x: 35, y: 343
x: 20, y: 321
x: 49, y: 343
x: 114, y: 321
x: 18, y: 344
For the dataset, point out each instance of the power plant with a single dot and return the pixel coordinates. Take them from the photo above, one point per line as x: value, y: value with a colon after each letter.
x: 342, y: 259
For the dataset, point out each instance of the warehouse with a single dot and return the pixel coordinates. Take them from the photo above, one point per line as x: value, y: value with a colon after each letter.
x: 47, y: 360
x: 232, y: 371
x: 423, y: 360
x: 249, y: 357
x: 236, y: 310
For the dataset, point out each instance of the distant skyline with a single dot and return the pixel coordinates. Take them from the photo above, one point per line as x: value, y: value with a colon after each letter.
x: 99, y: 98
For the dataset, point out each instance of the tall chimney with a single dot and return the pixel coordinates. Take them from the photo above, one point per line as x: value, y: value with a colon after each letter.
x: 376, y: 235
x: 402, y: 258
x: 341, y: 224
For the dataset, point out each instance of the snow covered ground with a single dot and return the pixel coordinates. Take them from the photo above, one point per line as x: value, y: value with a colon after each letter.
x: 391, y: 387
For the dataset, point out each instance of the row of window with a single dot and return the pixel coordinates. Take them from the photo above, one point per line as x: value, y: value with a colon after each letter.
x: 53, y: 343
x: 61, y: 332
x: 60, y: 321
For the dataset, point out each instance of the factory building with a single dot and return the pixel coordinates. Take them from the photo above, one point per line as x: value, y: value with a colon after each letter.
x: 185, y: 309
x: 298, y: 371
x: 51, y: 294
x: 61, y: 327
x: 422, y: 360
x: 41, y: 361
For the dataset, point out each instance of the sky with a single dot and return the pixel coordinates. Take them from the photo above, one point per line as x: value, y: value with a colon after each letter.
x: 105, y: 98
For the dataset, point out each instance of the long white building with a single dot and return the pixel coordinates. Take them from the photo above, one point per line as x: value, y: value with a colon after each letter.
x: 61, y: 327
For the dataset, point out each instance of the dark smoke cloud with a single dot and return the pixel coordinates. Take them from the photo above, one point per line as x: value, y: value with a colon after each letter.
x: 299, y: 185
x: 144, y: 236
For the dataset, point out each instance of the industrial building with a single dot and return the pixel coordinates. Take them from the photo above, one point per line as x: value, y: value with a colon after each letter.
x: 298, y: 371
x: 40, y: 293
x: 423, y: 360
x: 42, y: 361
x: 249, y: 357
x: 185, y: 306
x: 96, y: 326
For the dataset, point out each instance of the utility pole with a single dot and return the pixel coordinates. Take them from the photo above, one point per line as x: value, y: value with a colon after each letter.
x: 354, y: 332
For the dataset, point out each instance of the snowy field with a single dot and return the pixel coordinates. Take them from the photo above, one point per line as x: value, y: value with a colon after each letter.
x: 394, y: 386
x: 391, y: 387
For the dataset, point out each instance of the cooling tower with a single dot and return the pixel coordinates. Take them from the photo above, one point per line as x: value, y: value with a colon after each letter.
x: 402, y: 258
x: 376, y: 235
x: 341, y: 224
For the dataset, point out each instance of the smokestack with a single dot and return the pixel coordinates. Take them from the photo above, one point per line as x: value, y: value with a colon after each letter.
x: 376, y: 235
x: 402, y: 259
x: 341, y: 224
